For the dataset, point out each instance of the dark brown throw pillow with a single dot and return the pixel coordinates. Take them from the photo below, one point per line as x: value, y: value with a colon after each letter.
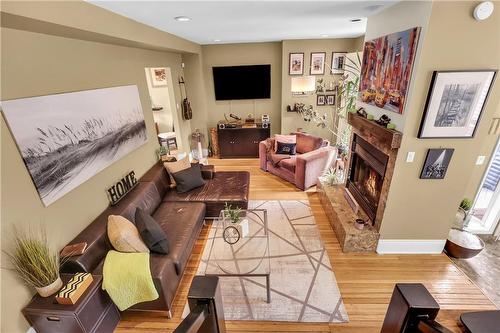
x: 151, y: 233
x: 188, y: 179
x: 286, y: 148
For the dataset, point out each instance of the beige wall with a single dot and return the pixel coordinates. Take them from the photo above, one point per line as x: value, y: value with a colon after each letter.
x: 290, y: 121
x: 243, y: 54
x: 37, y: 64
x: 424, y: 209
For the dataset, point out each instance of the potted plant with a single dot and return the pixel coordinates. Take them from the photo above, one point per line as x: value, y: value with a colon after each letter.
x: 464, y: 210
x: 160, y: 152
x: 36, y: 262
x: 333, y: 177
x: 234, y: 216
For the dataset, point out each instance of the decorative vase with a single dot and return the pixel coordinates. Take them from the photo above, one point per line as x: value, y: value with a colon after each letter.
x: 51, y: 289
x: 359, y: 224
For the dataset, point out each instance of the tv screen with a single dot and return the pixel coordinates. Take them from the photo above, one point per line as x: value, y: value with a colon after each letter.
x: 242, y: 82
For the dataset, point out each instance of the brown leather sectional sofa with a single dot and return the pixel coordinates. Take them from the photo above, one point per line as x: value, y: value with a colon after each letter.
x: 181, y: 216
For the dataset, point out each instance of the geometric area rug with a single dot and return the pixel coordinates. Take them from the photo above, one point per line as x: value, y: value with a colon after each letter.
x: 303, y: 286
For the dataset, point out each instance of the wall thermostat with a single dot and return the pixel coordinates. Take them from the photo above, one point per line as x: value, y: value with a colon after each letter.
x: 265, y: 118
x: 483, y: 10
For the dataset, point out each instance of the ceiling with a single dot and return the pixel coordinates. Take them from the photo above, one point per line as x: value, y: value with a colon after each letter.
x: 217, y: 22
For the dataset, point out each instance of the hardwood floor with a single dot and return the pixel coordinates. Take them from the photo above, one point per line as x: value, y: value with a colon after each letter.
x: 366, y: 281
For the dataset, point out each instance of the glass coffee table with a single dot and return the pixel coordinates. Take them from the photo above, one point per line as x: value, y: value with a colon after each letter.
x: 241, y: 249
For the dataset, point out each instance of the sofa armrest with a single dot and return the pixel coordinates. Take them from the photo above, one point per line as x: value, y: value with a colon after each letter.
x: 263, y: 146
x: 312, y: 165
x: 207, y: 171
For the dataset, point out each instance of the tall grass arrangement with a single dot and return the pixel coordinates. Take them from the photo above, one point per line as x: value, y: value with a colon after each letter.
x: 33, y: 259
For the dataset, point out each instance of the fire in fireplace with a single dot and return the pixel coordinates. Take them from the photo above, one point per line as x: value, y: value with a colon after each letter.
x: 366, y: 175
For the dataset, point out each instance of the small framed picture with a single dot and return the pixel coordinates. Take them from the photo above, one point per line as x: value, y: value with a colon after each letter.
x: 338, y: 62
x: 320, y: 100
x: 436, y: 163
x: 158, y: 77
x: 296, y: 64
x: 330, y: 99
x: 318, y: 63
x: 455, y: 102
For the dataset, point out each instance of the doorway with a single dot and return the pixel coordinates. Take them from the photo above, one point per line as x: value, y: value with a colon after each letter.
x: 486, y: 208
x: 163, y: 104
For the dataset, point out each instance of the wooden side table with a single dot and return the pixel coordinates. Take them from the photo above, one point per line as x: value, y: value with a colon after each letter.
x: 93, y: 313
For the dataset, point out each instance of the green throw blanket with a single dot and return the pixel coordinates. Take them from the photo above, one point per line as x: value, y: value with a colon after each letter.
x: 127, y: 279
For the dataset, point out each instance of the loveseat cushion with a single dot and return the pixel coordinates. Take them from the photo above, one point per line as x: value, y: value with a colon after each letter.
x: 307, y: 142
x: 289, y: 164
x: 226, y: 186
x: 182, y: 222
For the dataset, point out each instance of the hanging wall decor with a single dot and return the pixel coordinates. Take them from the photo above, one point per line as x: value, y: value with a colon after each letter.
x: 386, y: 70
x: 318, y: 63
x: 159, y: 77
x: 455, y: 103
x: 436, y: 163
x: 296, y: 64
x: 65, y: 139
x: 338, y: 62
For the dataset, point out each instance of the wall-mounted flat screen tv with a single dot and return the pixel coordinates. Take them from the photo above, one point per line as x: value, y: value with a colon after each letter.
x: 242, y: 82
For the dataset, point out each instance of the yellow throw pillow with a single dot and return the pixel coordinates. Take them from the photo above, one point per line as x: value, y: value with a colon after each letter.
x: 124, y: 235
x: 173, y: 167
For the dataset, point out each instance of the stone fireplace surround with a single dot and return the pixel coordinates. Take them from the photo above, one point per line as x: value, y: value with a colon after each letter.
x: 378, y: 144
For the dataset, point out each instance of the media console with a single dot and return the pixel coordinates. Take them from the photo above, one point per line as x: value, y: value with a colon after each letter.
x: 240, y: 141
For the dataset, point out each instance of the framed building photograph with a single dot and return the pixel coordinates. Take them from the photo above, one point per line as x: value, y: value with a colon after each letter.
x: 318, y: 63
x: 455, y: 103
x: 386, y: 70
x: 436, y: 163
x: 296, y: 64
x: 159, y: 77
x: 338, y: 62
x: 320, y: 100
x: 330, y: 99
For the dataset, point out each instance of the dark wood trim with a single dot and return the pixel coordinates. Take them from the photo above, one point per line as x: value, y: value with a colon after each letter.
x: 382, y: 138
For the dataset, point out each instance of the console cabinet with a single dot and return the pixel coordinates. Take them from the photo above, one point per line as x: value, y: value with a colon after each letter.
x: 241, y: 142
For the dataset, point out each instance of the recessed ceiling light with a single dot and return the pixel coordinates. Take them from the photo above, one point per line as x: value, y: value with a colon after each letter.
x: 182, y: 18
x: 356, y: 20
x: 217, y: 40
x: 325, y: 36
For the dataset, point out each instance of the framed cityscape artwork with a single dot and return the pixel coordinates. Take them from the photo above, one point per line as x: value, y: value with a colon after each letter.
x: 296, y: 64
x: 436, y: 163
x: 318, y: 63
x: 386, y: 70
x: 65, y: 139
x: 455, y: 103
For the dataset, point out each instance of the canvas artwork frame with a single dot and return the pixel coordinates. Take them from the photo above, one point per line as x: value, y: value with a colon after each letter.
x: 386, y: 70
x: 317, y: 65
x: 338, y: 62
x: 330, y: 99
x: 158, y: 76
x: 455, y: 103
x: 296, y: 64
x: 320, y: 100
x: 436, y: 163
x: 67, y: 138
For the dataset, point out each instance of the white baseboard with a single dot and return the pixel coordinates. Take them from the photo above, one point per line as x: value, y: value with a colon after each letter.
x: 31, y: 330
x: 410, y: 246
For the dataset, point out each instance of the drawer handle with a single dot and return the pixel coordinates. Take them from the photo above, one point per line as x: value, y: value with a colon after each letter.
x: 52, y: 318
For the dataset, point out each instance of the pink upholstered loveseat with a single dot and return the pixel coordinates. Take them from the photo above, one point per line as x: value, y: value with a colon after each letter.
x: 314, y: 156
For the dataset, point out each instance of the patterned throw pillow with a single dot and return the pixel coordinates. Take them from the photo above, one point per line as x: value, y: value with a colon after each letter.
x: 124, y: 236
x: 176, y: 166
x: 292, y: 138
x: 285, y: 148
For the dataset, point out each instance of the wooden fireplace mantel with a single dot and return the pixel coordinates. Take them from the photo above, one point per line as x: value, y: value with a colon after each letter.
x: 382, y: 138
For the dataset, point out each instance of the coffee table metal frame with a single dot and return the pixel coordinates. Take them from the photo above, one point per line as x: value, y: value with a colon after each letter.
x: 265, y: 257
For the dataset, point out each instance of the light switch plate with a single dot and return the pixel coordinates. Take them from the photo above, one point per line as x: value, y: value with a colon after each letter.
x: 480, y: 159
x: 410, y: 157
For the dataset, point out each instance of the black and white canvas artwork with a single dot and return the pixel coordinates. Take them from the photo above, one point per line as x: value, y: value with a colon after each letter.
x: 436, y: 163
x: 65, y: 139
x: 455, y: 103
